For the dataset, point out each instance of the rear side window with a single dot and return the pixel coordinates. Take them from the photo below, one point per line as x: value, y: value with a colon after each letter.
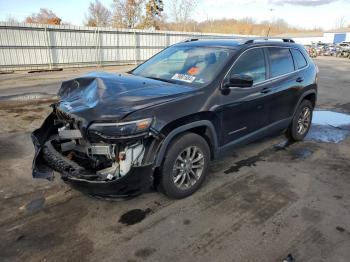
x: 251, y: 63
x: 299, y: 59
x: 281, y: 61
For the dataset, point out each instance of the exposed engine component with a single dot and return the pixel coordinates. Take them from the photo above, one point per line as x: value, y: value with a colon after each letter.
x: 131, y: 156
x: 101, y: 149
x: 66, y: 133
x: 69, y: 134
x: 109, y: 173
x: 108, y: 161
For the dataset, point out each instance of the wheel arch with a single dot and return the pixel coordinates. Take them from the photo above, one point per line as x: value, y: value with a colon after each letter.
x: 311, y: 97
x: 204, y: 128
x: 308, y: 95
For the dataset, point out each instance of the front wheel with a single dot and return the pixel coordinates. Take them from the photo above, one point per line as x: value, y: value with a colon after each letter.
x: 301, y: 122
x: 185, y: 166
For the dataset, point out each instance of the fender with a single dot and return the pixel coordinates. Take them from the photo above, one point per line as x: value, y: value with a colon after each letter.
x: 178, y: 130
x: 311, y: 91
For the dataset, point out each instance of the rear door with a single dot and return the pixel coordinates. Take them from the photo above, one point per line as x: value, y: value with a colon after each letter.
x: 285, y: 82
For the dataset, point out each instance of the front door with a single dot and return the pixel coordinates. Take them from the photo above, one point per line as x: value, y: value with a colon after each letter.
x: 245, y: 110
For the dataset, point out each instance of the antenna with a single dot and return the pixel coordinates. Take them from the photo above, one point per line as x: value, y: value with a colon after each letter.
x: 268, y: 31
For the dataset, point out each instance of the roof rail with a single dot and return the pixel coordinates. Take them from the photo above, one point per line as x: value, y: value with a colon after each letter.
x: 286, y: 40
x: 190, y: 39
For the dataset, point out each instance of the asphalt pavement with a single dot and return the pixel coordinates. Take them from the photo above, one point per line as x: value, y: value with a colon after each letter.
x: 259, y: 203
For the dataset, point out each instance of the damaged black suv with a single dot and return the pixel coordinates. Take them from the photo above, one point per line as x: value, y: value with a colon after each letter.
x: 161, y: 123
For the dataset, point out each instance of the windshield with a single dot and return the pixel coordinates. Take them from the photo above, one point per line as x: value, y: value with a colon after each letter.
x: 187, y: 65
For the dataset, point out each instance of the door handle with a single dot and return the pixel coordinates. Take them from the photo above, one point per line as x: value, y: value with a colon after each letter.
x: 300, y: 79
x: 266, y: 90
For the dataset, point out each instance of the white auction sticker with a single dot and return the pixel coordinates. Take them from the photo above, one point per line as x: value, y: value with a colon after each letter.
x: 184, y: 78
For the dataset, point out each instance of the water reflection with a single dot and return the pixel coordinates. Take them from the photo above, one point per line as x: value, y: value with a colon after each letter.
x: 329, y: 126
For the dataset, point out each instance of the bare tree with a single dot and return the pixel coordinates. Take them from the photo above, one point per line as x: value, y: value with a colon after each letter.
x: 98, y: 15
x: 11, y: 19
x: 127, y: 13
x: 182, y: 10
x: 44, y: 16
x: 340, y: 22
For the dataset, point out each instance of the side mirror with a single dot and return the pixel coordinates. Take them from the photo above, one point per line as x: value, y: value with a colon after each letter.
x: 242, y: 81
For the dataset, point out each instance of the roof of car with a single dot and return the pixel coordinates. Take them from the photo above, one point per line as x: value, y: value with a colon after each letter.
x: 234, y: 42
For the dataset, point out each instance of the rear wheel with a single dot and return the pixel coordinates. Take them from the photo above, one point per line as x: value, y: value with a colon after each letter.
x: 301, y: 122
x: 185, y: 166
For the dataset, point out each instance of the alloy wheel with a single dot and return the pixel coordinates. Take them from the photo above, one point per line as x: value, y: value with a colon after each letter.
x: 188, y: 167
x: 304, y: 121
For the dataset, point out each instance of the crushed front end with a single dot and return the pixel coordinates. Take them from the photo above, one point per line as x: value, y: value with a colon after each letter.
x: 100, y: 158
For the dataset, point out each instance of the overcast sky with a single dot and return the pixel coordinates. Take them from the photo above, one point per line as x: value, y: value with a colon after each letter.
x: 301, y: 13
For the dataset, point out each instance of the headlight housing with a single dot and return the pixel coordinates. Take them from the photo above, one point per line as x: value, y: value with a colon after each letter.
x: 122, y: 128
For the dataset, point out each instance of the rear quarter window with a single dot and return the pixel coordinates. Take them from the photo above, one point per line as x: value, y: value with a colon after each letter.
x: 299, y: 59
x: 281, y: 61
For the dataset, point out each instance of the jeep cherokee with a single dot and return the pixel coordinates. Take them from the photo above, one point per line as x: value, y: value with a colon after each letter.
x: 161, y: 123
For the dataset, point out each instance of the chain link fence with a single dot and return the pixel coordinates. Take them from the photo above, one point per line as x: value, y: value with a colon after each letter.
x: 36, y: 47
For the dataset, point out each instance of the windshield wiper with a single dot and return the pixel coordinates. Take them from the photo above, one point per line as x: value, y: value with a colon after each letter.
x: 161, y: 79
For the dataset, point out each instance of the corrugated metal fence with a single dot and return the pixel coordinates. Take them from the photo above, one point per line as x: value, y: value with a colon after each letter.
x: 33, y: 46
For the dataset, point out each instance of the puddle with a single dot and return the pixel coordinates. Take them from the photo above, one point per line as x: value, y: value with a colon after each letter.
x: 35, y: 205
x: 283, y: 145
x: 251, y: 161
x: 20, y: 237
x: 248, y: 162
x: 134, y: 216
x: 329, y: 127
x: 327, y: 134
x: 340, y: 229
x: 145, y: 252
x: 300, y: 153
x: 330, y: 118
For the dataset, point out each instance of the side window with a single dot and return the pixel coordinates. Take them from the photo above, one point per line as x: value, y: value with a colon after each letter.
x: 281, y: 61
x: 251, y: 63
x: 299, y: 58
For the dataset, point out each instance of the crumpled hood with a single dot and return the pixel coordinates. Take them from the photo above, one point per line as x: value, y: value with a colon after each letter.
x: 107, y: 96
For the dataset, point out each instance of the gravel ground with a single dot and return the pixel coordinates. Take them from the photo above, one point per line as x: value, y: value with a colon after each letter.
x: 259, y: 203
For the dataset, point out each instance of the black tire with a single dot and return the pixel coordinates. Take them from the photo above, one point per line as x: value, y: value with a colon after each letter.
x: 294, y: 133
x: 167, y: 183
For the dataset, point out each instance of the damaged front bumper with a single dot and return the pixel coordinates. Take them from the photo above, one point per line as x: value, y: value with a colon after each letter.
x: 116, y: 169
